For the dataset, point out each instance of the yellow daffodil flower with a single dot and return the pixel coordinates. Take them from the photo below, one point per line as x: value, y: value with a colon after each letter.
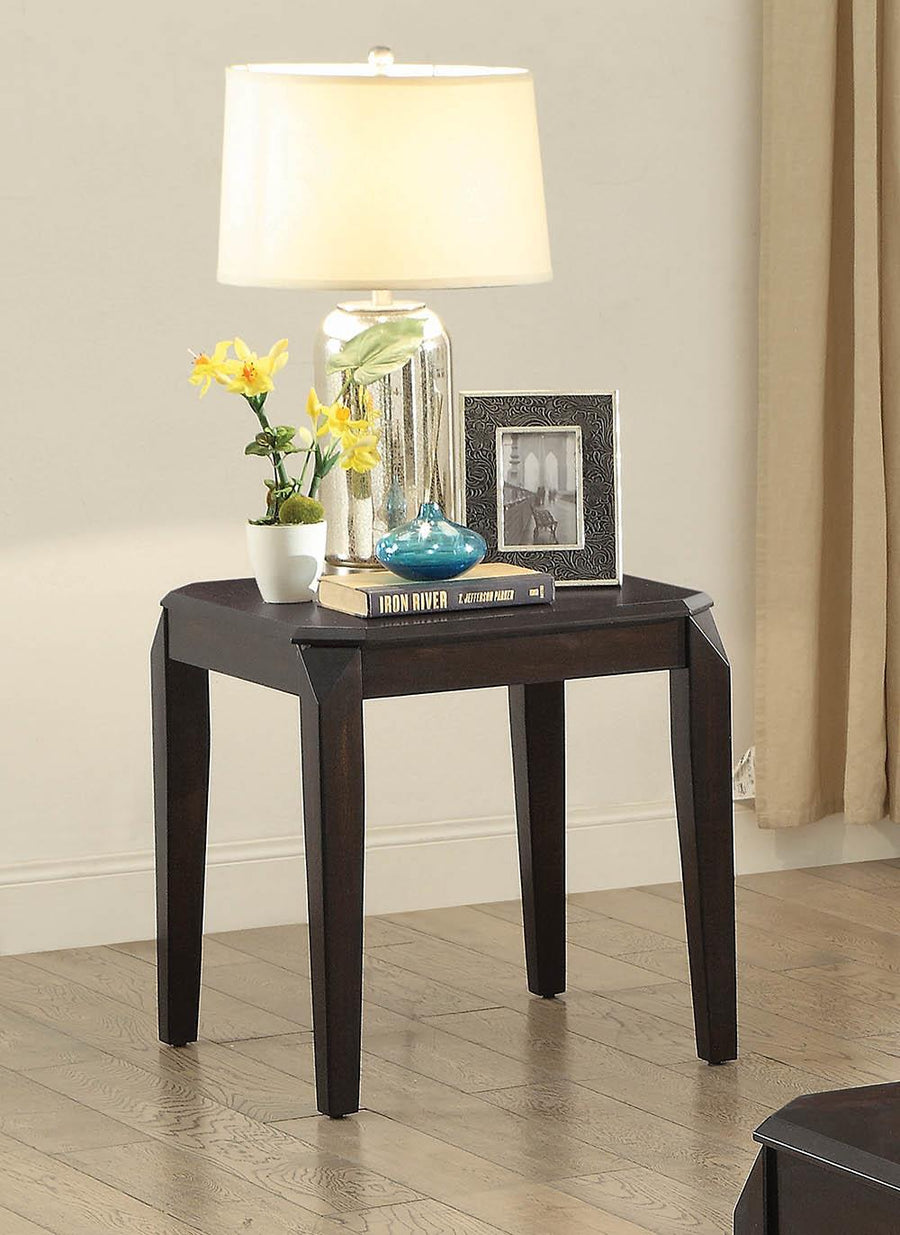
x: 360, y: 452
x: 252, y: 375
x: 315, y: 410
x: 208, y: 369
x: 339, y: 422
x: 334, y: 418
x: 337, y: 415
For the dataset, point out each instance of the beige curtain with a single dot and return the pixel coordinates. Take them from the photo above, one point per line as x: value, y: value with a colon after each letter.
x: 828, y: 570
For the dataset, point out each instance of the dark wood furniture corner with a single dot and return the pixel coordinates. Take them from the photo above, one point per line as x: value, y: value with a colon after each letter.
x: 333, y: 663
x: 829, y: 1165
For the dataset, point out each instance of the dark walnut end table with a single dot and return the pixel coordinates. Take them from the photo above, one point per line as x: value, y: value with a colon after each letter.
x: 829, y: 1165
x: 334, y: 662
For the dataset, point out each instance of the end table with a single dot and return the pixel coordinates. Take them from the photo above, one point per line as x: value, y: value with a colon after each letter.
x: 829, y: 1165
x: 334, y: 662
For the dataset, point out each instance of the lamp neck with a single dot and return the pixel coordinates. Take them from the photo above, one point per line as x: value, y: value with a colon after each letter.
x: 381, y: 303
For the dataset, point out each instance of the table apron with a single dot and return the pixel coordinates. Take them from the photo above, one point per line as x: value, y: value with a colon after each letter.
x: 267, y: 660
x: 429, y: 668
x: 599, y: 651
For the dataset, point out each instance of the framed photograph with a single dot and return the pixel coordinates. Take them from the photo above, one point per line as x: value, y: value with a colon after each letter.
x: 542, y: 481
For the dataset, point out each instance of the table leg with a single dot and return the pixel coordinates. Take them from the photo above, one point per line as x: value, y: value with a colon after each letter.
x: 537, y: 717
x: 331, y: 716
x: 756, y: 1210
x: 180, y: 695
x: 701, y: 756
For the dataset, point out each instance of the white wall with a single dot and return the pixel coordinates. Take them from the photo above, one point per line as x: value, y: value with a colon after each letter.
x: 118, y: 485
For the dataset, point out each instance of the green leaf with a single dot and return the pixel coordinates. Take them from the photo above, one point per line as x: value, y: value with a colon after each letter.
x: 283, y: 434
x: 256, y: 448
x: 378, y: 350
x: 328, y: 465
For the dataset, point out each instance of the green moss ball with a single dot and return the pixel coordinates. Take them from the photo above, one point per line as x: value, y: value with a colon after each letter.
x: 300, y: 509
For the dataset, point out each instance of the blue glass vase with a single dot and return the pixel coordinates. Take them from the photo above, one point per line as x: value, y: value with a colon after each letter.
x: 430, y: 547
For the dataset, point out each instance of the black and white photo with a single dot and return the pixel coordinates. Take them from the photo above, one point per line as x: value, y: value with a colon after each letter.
x: 540, y: 499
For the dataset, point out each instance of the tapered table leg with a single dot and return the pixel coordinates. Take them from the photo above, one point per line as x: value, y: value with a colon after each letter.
x: 701, y: 756
x: 537, y: 726
x: 331, y: 716
x: 756, y: 1210
x: 180, y: 788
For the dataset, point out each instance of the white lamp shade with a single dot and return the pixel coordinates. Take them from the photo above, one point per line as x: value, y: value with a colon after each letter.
x: 338, y: 176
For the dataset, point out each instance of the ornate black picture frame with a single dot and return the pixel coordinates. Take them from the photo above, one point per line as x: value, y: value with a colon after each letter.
x: 541, y: 481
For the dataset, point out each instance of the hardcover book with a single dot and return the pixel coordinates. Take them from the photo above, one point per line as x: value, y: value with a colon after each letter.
x: 489, y: 586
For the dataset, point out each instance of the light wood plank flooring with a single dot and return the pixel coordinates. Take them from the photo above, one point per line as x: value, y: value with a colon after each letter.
x: 486, y: 1110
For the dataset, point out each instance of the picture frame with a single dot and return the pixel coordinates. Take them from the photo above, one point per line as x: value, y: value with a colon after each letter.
x: 541, y: 481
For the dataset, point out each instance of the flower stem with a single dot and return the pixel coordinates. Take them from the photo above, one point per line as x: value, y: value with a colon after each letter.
x: 317, y: 473
x: 281, y: 476
x: 309, y: 455
x: 282, y: 480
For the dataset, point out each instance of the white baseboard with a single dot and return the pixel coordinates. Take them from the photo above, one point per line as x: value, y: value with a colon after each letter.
x: 109, y: 898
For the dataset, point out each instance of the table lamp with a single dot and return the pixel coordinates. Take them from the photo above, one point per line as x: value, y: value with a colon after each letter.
x: 383, y: 177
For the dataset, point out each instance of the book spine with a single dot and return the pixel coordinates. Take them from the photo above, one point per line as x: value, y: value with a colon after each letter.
x: 456, y: 594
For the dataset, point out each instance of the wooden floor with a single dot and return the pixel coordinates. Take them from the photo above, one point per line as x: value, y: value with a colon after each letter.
x: 486, y: 1110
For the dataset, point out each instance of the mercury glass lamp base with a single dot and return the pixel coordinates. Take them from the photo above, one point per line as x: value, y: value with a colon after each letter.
x: 413, y: 414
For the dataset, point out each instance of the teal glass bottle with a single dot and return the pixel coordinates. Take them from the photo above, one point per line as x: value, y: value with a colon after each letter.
x: 430, y: 547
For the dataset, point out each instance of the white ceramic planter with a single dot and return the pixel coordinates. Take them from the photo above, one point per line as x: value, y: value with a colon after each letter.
x: 287, y: 559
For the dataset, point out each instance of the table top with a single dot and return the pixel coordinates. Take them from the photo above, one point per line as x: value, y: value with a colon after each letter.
x: 231, y: 601
x: 854, y: 1129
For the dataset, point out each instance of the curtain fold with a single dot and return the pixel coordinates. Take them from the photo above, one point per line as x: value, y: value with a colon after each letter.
x: 828, y: 582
